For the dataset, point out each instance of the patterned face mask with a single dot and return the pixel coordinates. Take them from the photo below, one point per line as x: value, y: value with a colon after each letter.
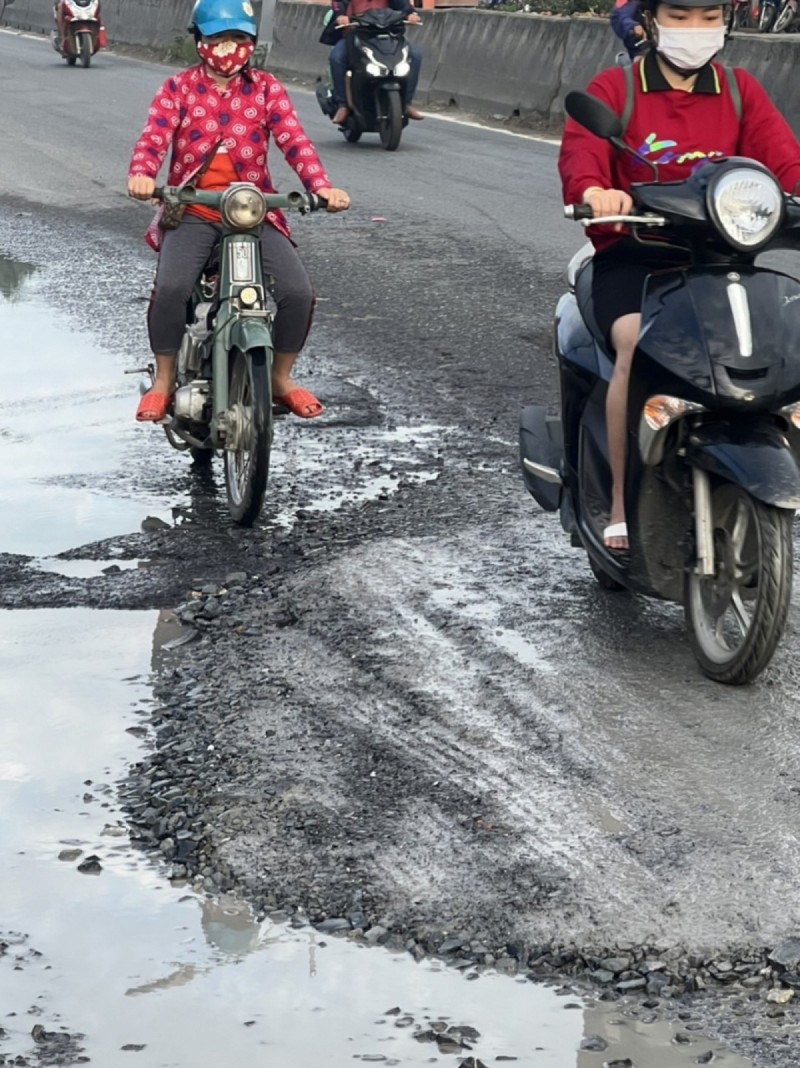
x: 227, y: 56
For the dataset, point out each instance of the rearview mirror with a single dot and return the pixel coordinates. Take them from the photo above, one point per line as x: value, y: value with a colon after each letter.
x: 594, y: 115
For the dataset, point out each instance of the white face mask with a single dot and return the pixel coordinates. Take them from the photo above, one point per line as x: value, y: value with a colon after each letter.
x: 688, y: 48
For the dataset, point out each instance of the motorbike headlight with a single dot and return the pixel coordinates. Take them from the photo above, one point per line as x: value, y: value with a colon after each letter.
x: 243, y: 207
x: 746, y: 205
x: 403, y: 68
x: 661, y: 410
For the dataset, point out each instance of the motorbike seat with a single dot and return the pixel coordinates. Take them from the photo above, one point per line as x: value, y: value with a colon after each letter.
x: 583, y: 295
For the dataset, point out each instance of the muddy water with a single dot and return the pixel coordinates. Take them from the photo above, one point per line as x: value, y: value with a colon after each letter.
x: 65, y: 428
x: 131, y: 962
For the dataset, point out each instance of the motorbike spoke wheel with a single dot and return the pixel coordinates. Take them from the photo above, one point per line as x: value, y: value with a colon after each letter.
x: 736, y: 616
x: 784, y: 18
x: 247, y: 460
x: 85, y: 49
x: 390, y: 121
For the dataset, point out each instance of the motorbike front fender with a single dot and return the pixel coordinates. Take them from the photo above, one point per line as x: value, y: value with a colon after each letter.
x: 246, y: 334
x: 758, y: 459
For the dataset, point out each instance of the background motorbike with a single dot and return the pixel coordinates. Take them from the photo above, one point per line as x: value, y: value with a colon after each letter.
x: 223, y: 398
x: 712, y: 477
x: 376, y: 79
x: 79, y: 33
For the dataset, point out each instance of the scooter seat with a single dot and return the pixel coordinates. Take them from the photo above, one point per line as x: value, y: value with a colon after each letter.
x: 583, y: 295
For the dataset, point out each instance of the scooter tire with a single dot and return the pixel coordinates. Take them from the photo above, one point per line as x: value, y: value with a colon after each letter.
x: 71, y: 60
x: 85, y: 50
x: 604, y: 579
x: 770, y: 534
x: 766, y: 17
x: 391, y: 120
x: 352, y: 134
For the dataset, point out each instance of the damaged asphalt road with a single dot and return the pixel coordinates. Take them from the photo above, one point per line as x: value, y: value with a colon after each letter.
x: 404, y: 708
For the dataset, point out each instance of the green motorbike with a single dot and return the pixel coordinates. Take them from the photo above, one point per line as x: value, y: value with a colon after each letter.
x: 223, y: 399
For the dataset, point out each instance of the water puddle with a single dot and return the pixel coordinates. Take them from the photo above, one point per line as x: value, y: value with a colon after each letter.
x: 136, y: 964
x: 65, y: 429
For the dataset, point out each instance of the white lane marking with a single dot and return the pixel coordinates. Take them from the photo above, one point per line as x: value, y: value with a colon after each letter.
x: 491, y: 129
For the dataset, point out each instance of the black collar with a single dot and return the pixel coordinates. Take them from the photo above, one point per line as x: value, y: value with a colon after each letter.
x: 652, y: 79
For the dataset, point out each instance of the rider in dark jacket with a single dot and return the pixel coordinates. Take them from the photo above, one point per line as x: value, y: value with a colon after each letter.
x: 343, y: 11
x: 626, y: 22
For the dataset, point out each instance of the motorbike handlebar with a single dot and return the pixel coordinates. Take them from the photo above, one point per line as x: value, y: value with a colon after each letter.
x: 294, y: 201
x: 582, y: 213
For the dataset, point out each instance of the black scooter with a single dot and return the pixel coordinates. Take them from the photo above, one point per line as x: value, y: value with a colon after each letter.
x: 712, y: 479
x: 378, y: 69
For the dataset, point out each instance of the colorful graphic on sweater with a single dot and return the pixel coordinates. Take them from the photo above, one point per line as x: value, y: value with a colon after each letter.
x: 651, y: 145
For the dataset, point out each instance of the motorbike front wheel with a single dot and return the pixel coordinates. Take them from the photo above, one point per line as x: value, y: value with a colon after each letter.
x: 247, y: 458
x: 766, y: 16
x: 784, y: 18
x: 85, y: 49
x: 736, y: 616
x: 390, y: 122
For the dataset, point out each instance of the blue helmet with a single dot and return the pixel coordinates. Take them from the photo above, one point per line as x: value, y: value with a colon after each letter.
x: 217, y: 16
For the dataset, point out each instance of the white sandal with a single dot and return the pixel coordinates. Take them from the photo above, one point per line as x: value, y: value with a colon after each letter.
x: 616, y: 530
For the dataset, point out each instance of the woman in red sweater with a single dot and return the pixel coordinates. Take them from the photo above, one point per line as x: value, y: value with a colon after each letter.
x: 684, y: 110
x: 217, y: 117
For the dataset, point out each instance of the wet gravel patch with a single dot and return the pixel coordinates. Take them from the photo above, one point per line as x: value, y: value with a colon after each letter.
x: 262, y: 784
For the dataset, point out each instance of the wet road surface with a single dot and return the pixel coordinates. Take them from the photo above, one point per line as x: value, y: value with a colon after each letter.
x: 417, y: 697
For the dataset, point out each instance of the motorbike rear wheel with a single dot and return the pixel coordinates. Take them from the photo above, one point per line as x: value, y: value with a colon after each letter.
x: 352, y: 134
x: 71, y: 60
x: 247, y: 462
x: 736, y: 616
x: 390, y: 122
x: 85, y: 49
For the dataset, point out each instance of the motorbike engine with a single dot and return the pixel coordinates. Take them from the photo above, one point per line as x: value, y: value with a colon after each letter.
x: 192, y: 401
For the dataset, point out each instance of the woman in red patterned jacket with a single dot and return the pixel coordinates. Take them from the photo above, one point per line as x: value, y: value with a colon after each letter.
x: 217, y: 117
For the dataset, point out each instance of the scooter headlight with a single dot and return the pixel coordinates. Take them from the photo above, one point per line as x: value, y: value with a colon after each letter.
x: 243, y: 207
x: 375, y: 70
x: 746, y: 205
x: 661, y: 410
x: 403, y: 69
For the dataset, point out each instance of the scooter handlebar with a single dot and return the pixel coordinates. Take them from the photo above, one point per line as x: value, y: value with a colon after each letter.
x: 578, y: 212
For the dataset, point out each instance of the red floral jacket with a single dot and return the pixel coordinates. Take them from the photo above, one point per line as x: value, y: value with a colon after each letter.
x: 192, y: 114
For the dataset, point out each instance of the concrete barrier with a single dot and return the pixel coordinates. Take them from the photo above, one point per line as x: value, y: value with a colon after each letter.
x: 499, y: 64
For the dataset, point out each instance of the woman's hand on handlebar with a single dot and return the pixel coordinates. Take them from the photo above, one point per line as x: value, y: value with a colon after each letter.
x: 336, y: 199
x: 608, y: 202
x: 140, y: 187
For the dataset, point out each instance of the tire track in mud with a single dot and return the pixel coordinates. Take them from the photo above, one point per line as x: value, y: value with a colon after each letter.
x: 538, y: 739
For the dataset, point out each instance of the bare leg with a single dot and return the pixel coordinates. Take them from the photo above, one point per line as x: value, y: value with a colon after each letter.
x: 282, y: 382
x: 165, y: 375
x: 624, y: 335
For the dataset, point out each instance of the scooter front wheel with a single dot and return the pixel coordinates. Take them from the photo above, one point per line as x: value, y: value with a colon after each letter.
x: 85, y: 49
x: 390, y: 122
x: 249, y: 430
x: 736, y: 616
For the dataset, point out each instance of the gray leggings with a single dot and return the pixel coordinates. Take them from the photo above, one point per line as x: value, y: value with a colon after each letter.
x: 184, y: 253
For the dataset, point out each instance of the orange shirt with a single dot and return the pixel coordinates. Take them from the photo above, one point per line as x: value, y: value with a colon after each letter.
x: 218, y: 176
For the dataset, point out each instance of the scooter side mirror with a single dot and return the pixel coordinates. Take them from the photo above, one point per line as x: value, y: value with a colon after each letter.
x: 594, y: 115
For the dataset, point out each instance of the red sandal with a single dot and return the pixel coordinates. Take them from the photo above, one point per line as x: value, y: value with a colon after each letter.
x: 153, y: 407
x: 300, y: 402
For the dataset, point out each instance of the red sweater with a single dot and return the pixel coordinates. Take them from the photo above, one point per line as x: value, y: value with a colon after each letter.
x: 675, y: 129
